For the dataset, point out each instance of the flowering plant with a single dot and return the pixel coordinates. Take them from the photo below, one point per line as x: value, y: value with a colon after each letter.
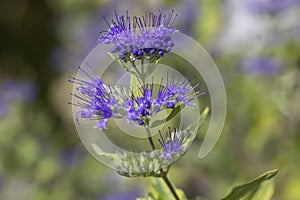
x: 140, y: 43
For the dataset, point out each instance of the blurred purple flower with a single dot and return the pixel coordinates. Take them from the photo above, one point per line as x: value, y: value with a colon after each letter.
x: 112, y: 178
x: 79, y: 43
x: 70, y: 157
x: 261, y: 66
x: 3, y: 108
x: 122, y: 195
x: 270, y: 6
x: 297, y: 32
x: 16, y: 91
x: 188, y: 13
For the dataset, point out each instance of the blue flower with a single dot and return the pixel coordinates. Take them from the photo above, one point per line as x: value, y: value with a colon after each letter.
x: 174, y: 93
x: 123, y: 195
x: 181, y: 91
x: 270, y: 6
x: 3, y: 108
x: 16, y: 91
x: 100, y: 102
x: 95, y: 98
x: 134, y: 37
x: 261, y: 66
x: 70, y: 157
x: 173, y: 143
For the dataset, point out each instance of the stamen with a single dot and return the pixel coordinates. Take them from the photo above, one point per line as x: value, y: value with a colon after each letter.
x: 117, y: 17
x: 174, y: 20
x: 106, y: 22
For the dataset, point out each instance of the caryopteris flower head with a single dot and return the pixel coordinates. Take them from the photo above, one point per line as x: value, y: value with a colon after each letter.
x: 173, y: 143
x: 95, y: 98
x: 177, y: 91
x: 174, y: 93
x: 100, y: 102
x: 134, y: 37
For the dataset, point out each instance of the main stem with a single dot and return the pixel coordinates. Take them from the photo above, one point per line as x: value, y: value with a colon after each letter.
x: 170, y: 186
x: 150, y: 137
x: 163, y: 174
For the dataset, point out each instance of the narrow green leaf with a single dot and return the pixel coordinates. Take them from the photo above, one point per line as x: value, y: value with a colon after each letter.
x: 97, y: 149
x: 251, y: 187
x: 160, y: 191
x: 173, y: 113
x: 181, y: 194
x: 151, y: 66
x: 119, y: 61
x: 203, y: 115
x: 265, y: 192
x: 100, y: 152
x: 135, y: 85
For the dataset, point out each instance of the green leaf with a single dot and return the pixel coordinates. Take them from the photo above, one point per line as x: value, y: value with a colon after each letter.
x: 160, y: 191
x: 265, y: 192
x: 253, y: 188
x: 135, y: 85
x: 119, y: 61
x: 174, y: 112
x: 145, y: 163
x: 100, y: 152
x: 149, y: 163
x: 151, y: 66
x: 122, y: 64
x: 203, y: 116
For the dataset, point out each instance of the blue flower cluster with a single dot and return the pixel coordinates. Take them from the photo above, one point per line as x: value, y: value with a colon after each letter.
x: 146, y: 37
x: 168, y: 96
x: 95, y: 98
x: 173, y: 142
x: 99, y: 102
x: 262, y: 65
x: 15, y: 91
x: 272, y: 7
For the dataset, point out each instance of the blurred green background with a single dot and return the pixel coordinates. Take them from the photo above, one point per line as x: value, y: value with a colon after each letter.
x: 255, y: 44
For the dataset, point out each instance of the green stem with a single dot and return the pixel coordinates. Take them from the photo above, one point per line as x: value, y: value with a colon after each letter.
x: 141, y: 75
x: 163, y: 174
x: 150, y: 137
x: 142, y: 63
x: 135, y: 68
x: 170, y: 186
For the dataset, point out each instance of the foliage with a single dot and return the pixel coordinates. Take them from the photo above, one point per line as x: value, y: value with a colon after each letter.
x: 260, y: 188
x: 159, y: 191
